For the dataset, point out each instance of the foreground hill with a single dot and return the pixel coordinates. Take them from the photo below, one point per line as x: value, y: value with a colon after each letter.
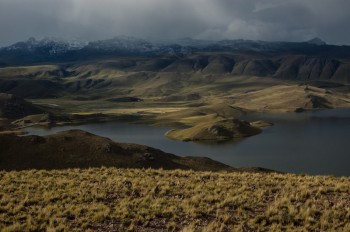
x: 79, y: 149
x: 110, y: 199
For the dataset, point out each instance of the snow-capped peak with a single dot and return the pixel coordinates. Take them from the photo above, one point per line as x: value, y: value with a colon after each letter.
x: 316, y: 41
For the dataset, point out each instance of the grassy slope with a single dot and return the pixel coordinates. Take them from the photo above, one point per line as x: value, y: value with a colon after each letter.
x: 289, y: 98
x: 110, y: 199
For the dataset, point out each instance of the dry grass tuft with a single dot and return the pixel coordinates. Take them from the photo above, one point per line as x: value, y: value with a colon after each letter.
x: 110, y: 199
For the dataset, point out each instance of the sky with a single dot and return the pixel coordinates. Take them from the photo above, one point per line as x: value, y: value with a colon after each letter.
x: 270, y: 20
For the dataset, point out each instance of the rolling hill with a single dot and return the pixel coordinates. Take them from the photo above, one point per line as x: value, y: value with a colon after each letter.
x: 79, y: 149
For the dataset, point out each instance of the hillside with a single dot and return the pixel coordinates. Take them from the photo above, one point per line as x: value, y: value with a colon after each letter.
x: 290, y: 98
x: 298, y: 67
x: 110, y: 199
x: 12, y: 106
x: 79, y: 149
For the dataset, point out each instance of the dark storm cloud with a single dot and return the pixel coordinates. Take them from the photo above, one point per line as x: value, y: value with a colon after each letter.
x: 294, y: 20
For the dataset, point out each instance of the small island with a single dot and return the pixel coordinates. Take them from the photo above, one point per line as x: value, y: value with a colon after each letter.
x: 216, y: 131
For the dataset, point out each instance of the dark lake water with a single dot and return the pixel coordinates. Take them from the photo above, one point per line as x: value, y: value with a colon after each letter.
x: 312, y: 143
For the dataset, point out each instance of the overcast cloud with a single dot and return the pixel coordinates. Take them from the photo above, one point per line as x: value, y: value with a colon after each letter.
x: 291, y: 20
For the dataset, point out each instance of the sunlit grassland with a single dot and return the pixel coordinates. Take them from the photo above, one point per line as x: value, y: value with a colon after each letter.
x: 66, y: 105
x: 110, y: 199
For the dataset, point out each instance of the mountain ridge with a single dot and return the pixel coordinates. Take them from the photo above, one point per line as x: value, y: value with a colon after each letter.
x: 49, y: 49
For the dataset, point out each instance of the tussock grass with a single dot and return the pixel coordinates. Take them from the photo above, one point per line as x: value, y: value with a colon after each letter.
x: 110, y: 199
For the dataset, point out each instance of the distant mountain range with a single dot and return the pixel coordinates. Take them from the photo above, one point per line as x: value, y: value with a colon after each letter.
x: 303, y: 61
x: 49, y: 50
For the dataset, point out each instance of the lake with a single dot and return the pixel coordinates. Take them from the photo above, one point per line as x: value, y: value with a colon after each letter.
x: 312, y: 143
